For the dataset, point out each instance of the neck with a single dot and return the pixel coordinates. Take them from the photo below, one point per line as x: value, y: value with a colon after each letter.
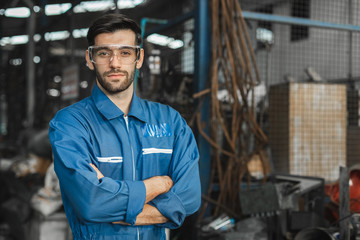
x: 121, y: 99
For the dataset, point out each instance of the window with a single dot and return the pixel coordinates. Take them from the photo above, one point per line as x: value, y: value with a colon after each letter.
x: 300, y: 8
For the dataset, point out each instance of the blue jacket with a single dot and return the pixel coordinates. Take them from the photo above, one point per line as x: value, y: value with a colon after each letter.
x: 152, y: 140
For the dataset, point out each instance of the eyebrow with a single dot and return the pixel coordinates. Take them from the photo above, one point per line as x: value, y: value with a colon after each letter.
x: 115, y: 45
x: 101, y: 47
x: 129, y: 47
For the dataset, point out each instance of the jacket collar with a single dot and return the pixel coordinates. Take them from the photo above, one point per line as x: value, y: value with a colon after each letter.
x: 109, y: 110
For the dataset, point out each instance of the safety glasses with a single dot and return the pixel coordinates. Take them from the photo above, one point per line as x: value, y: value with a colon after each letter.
x: 104, y: 54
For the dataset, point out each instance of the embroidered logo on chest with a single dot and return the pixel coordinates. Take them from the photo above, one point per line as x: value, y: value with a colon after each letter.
x: 157, y: 130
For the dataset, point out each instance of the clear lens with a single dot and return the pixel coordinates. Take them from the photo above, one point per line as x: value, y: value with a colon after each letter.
x: 105, y: 54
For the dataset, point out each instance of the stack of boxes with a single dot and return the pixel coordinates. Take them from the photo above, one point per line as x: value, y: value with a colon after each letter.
x: 308, y: 128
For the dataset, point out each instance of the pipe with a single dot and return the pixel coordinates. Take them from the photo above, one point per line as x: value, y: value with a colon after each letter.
x: 143, y: 23
x: 164, y: 24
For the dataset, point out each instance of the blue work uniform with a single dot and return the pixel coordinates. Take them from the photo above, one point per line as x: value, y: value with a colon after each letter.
x: 152, y: 140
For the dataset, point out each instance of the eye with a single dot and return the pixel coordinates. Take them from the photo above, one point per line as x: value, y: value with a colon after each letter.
x: 126, y: 52
x: 103, y: 53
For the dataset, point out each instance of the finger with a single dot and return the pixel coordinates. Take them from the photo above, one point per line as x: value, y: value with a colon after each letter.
x: 99, y: 174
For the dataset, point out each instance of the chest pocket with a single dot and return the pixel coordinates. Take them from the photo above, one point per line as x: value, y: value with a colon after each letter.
x: 156, y: 161
x: 111, y: 166
x: 156, y: 149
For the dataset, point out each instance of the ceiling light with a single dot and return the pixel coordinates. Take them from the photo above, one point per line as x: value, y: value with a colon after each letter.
x: 20, y: 39
x: 57, y: 79
x: 96, y: 6
x: 93, y: 6
x: 53, y: 36
x: 36, y: 9
x: 37, y: 37
x: 16, y: 61
x: 176, y: 44
x: 57, y: 9
x: 78, y: 33
x: 128, y: 3
x: 165, y: 41
x: 49, y: 36
x: 5, y: 41
x: 20, y: 12
x: 264, y: 35
x: 36, y: 59
x: 53, y: 92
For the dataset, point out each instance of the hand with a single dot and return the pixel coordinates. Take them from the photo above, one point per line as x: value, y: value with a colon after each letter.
x: 157, y: 185
x: 167, y: 182
x: 150, y: 215
x: 99, y: 174
x: 162, y: 183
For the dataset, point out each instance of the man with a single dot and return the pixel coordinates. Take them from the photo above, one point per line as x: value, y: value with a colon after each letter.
x: 128, y: 168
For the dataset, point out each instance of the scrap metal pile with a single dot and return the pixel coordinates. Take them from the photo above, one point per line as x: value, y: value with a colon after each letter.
x: 234, y: 135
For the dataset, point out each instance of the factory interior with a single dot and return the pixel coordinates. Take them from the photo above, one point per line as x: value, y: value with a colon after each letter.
x: 270, y: 89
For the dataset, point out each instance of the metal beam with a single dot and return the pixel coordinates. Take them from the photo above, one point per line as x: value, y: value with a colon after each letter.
x: 299, y: 21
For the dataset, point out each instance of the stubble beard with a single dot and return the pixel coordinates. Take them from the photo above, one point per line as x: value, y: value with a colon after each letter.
x: 110, y: 88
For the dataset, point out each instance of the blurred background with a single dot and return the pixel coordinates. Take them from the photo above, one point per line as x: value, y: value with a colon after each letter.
x: 270, y: 89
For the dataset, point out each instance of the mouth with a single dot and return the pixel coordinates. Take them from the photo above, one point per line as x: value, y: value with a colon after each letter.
x: 117, y: 75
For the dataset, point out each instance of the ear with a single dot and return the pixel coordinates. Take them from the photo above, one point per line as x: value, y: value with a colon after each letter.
x: 90, y: 64
x: 139, y: 63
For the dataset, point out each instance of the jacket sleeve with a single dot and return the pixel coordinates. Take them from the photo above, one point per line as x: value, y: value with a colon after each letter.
x: 93, y: 200
x: 184, y: 198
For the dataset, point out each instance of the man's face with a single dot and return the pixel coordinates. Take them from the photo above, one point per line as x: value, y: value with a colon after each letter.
x: 115, y: 76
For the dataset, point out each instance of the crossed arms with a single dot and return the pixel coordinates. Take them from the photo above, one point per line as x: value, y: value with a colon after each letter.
x: 154, y: 187
x: 158, y: 200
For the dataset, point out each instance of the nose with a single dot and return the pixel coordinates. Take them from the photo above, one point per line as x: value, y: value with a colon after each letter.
x: 115, y: 61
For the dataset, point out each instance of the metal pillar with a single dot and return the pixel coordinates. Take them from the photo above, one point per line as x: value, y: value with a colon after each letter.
x: 2, y: 95
x: 202, y: 63
x: 71, y: 42
x: 30, y: 70
x: 344, y: 208
x: 351, y: 14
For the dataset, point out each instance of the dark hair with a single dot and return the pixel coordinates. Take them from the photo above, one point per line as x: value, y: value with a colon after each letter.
x: 110, y: 23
